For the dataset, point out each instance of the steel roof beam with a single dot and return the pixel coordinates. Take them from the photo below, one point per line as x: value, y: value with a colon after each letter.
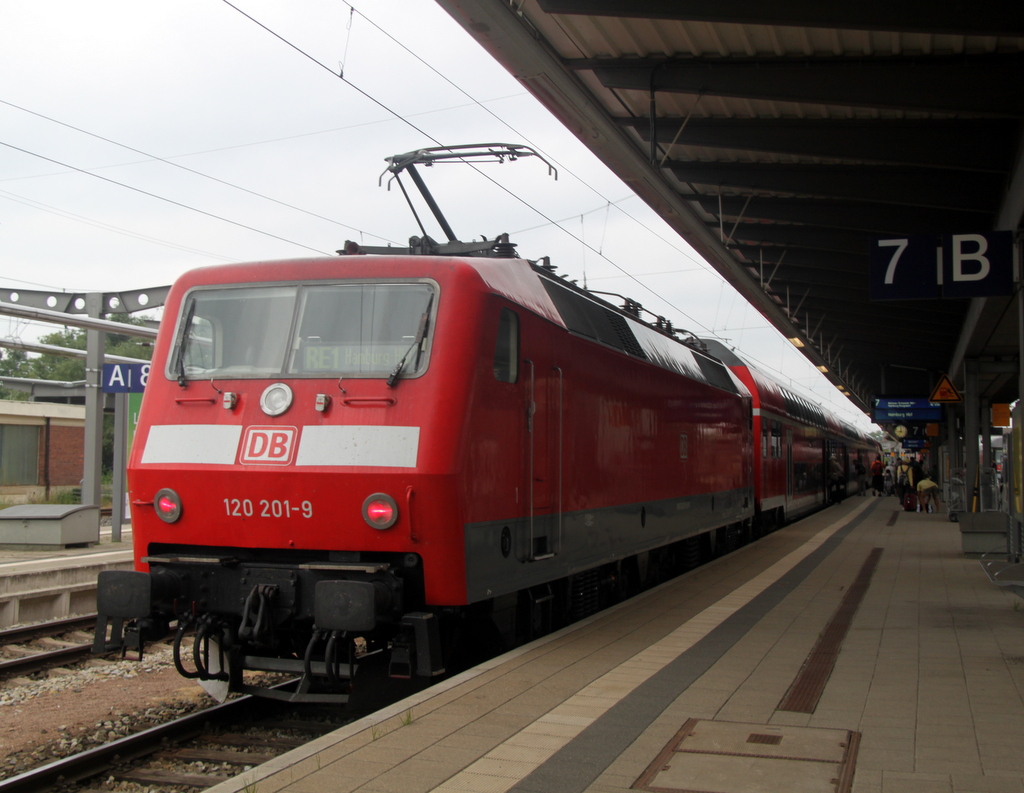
x: 916, y: 16
x: 929, y: 312
x: 851, y: 320
x: 940, y: 83
x: 75, y: 321
x: 66, y: 352
x: 878, y: 219
x: 798, y: 236
x: 126, y: 302
x: 514, y: 43
x: 799, y: 257
x: 914, y: 142
x: 976, y: 328
x: 923, y: 187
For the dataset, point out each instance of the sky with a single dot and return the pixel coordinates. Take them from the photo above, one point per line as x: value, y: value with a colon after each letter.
x: 139, y: 140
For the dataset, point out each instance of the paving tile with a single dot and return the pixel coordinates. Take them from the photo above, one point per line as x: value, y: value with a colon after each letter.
x: 867, y: 780
x: 922, y: 675
x: 968, y: 783
x: 412, y: 776
x: 456, y: 757
x: 948, y: 766
x: 895, y: 782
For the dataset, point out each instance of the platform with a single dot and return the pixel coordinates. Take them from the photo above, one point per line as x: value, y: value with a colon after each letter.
x: 697, y: 685
x: 42, y: 584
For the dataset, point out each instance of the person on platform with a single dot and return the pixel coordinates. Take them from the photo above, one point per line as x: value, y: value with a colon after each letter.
x: 877, y: 477
x: 927, y: 495
x: 836, y: 480
x: 918, y: 468
x: 904, y: 479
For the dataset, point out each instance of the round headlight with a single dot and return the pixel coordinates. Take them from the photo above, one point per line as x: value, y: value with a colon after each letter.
x: 276, y: 399
x: 168, y: 505
x: 380, y: 511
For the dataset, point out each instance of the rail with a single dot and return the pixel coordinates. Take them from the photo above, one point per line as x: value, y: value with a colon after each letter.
x: 32, y: 659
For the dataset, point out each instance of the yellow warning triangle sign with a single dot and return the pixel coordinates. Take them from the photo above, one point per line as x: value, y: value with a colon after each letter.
x: 945, y: 391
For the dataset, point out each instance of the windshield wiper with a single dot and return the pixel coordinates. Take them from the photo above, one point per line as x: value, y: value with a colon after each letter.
x: 179, y: 363
x: 421, y: 333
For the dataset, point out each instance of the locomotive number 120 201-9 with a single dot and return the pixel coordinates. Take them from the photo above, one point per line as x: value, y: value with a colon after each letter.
x: 265, y: 508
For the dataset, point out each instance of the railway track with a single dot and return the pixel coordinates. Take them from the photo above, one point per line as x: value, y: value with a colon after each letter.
x: 28, y: 649
x: 199, y: 750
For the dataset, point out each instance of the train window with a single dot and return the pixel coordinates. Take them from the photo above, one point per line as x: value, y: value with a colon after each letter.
x: 350, y: 329
x: 362, y: 329
x: 506, y: 350
x: 715, y: 373
x: 234, y: 333
x: 764, y: 437
x: 776, y: 440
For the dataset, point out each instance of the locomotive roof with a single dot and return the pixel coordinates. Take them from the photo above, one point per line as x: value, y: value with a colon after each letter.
x: 534, y: 287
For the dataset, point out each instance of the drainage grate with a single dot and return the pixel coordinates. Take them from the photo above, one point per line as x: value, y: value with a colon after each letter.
x: 717, y: 756
x: 770, y: 740
x: 806, y: 689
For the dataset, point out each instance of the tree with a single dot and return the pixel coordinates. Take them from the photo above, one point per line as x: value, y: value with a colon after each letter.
x: 13, y: 363
x: 57, y: 367
x: 48, y: 366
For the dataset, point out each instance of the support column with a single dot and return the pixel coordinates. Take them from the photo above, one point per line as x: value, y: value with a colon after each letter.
x: 120, y: 454
x: 971, y: 414
x: 986, y: 433
x: 93, y: 460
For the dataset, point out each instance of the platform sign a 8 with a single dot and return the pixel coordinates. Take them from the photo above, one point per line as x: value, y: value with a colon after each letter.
x: 125, y: 378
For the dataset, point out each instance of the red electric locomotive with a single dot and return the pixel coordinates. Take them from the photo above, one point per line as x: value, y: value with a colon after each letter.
x: 371, y: 446
x: 397, y: 455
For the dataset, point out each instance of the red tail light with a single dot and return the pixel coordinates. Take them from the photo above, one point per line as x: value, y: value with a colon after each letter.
x: 380, y: 511
x: 168, y: 505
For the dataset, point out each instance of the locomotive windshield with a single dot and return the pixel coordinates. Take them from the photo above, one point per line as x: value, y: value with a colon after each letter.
x: 347, y: 329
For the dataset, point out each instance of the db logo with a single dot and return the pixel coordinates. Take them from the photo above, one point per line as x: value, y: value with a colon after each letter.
x: 268, y: 446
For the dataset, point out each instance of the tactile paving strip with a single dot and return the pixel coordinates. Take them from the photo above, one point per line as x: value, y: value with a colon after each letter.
x: 804, y: 693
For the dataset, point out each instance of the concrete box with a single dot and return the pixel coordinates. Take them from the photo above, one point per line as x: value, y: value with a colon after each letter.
x: 982, y: 532
x: 42, y: 526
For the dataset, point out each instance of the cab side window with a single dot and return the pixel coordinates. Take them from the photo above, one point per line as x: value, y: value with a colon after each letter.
x: 506, y: 351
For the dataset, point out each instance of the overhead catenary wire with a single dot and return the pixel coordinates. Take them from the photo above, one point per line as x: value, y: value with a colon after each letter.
x: 352, y: 71
x: 430, y: 137
x: 108, y: 227
x: 501, y: 187
x: 561, y: 166
x: 268, y: 141
x: 161, y: 198
x: 189, y: 170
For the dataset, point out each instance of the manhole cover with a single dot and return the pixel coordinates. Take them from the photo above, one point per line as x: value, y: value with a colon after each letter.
x: 727, y: 757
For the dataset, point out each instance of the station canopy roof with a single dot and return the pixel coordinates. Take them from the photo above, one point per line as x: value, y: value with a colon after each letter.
x: 779, y: 138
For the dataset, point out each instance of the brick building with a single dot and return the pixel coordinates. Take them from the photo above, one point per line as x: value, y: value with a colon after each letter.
x: 41, y: 448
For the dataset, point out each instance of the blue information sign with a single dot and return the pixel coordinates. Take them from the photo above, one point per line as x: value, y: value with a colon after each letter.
x: 125, y: 378
x: 915, y: 443
x: 890, y: 409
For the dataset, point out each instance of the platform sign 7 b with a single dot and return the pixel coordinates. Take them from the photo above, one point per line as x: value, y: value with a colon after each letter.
x: 977, y: 265
x: 904, y: 268
x: 926, y: 267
